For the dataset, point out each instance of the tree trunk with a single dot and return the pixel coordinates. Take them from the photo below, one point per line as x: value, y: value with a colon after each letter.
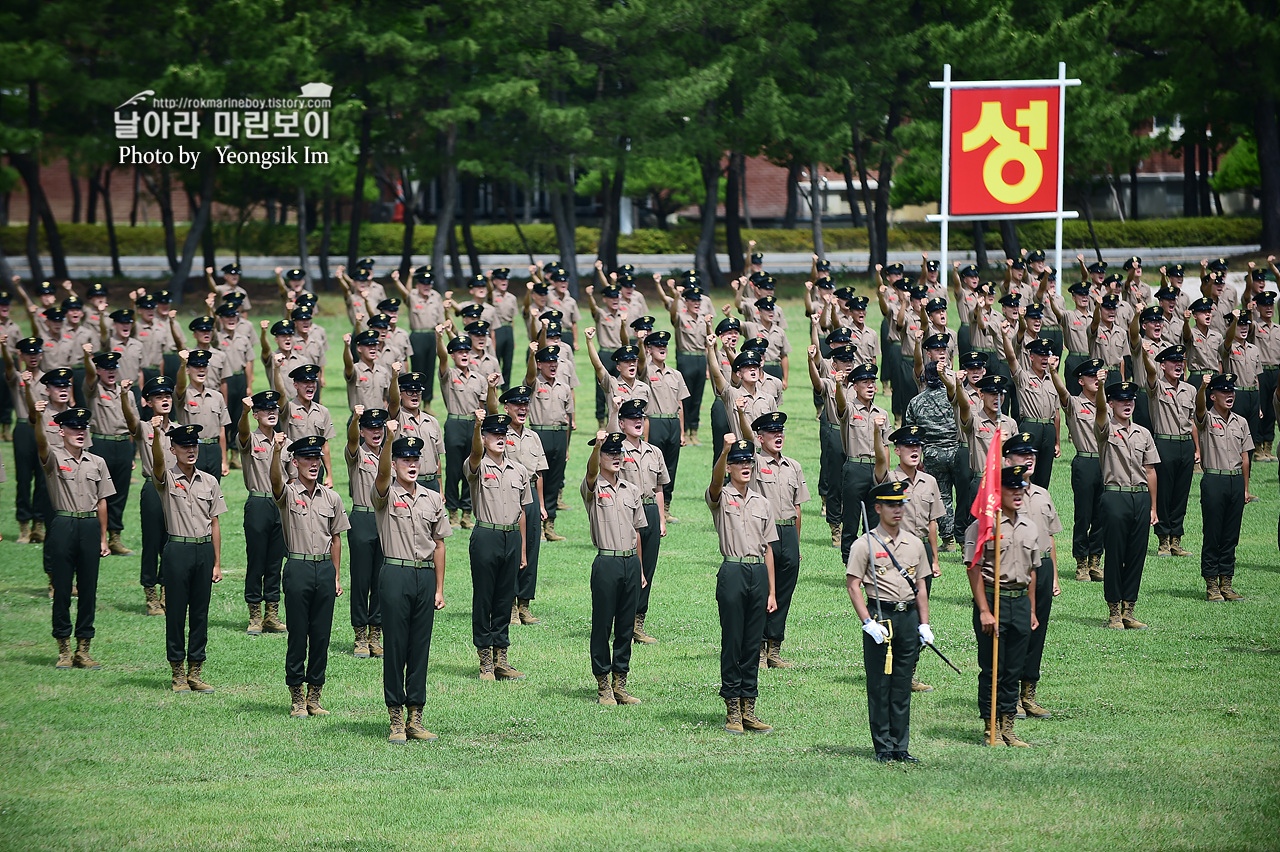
x: 980, y: 246
x: 882, y: 183
x: 357, y: 194
x: 455, y: 262
x: 746, y: 208
x: 732, y: 221
x: 846, y: 168
x: 1217, y: 199
x: 112, y: 243
x: 6, y: 271
x: 1088, y: 215
x: 470, y: 189
x: 705, y: 260
x: 75, y: 195
x: 1266, y: 130
x: 1202, y: 185
x: 4, y: 209
x: 137, y: 195
x: 860, y: 158
x: 815, y: 210
x: 608, y: 221
x: 270, y: 205
x: 33, y: 237
x: 566, y: 238
x: 447, y: 186
x: 507, y: 204
x: 199, y: 222
x: 793, y: 196
x: 326, y: 234
x: 28, y: 166
x: 1188, y: 180
x: 410, y: 220
x: 1009, y: 239
x: 164, y: 198
x: 1133, y: 192
x: 304, y: 255
x: 91, y: 209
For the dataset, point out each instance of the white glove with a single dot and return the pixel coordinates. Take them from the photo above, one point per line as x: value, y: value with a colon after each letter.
x: 926, y: 634
x: 876, y: 631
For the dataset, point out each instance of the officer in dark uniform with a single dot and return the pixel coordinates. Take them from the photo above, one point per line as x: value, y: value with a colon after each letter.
x: 313, y: 521
x: 890, y: 565
x: 412, y: 527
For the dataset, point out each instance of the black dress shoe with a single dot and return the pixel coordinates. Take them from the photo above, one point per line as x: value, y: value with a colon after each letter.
x: 905, y: 757
x: 886, y: 757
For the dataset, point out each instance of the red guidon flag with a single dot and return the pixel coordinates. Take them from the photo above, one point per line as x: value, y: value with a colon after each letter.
x: 987, y: 502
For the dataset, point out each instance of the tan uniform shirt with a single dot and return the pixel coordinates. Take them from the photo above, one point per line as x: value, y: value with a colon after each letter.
x: 1172, y: 408
x: 639, y: 389
x: 567, y: 305
x: 866, y: 343
x: 311, y: 519
x: 1037, y: 396
x: 550, y: 404
x: 463, y: 392
x: 758, y: 403
x: 362, y: 469
x: 488, y: 314
x: 857, y: 425
x: 76, y: 484
x: 1075, y: 332
x: 131, y: 353
x: 667, y: 390
x: 1245, y: 360
x: 426, y: 427
x: 779, y: 345
x: 1203, y: 350
x: 980, y: 431
x: 425, y: 312
x: 1125, y: 451
x: 1080, y: 421
x: 614, y: 512
x: 410, y: 522
x: 924, y: 501
x: 1038, y: 506
x: 781, y: 481
x: 205, y: 408
x: 1267, y: 337
x: 644, y: 467
x: 1153, y: 348
x: 498, y: 491
x: 1110, y: 344
x: 106, y: 410
x: 506, y: 305
x: 236, y: 348
x: 1223, y: 441
x: 744, y: 523
x: 256, y: 463
x: 152, y: 336
x: 690, y: 329
x: 526, y: 448
x: 1019, y: 551
x: 303, y: 422
x: 609, y: 330
x: 368, y: 387
x: 190, y: 505
x: 868, y: 555
x: 143, y: 437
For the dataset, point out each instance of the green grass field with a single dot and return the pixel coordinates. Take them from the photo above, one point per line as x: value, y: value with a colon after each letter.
x: 1161, y: 739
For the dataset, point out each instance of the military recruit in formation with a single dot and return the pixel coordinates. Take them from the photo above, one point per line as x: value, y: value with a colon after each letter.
x: 1152, y: 382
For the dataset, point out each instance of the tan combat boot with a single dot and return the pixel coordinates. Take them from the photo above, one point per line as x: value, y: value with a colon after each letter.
x: 764, y: 654
x: 162, y: 597
x: 917, y: 685
x: 397, y: 734
x: 1028, y: 704
x: 1163, y: 550
x: 774, y: 655
x: 733, y: 716
x: 466, y: 523
x: 37, y: 532
x: 375, y: 641
x: 526, y: 614
x: 255, y: 620
x: 179, y: 683
x: 271, y: 622
x: 1228, y: 593
x: 1126, y: 616
x: 313, y: 701
x: 1175, y: 547
x: 561, y: 505
x: 153, y: 601
x: 604, y: 692
x: 486, y: 663
x: 749, y: 720
x: 64, y: 654
x: 115, y: 546
x: 1007, y: 734
x: 24, y: 532
x: 1212, y: 593
x: 82, y: 660
x: 549, y: 532
x: 620, y: 690
x: 668, y: 517
x: 639, y: 636
x: 414, y: 730
x: 1095, y: 568
x: 503, y: 670
x: 515, y: 613
x: 693, y: 438
x: 297, y: 704
x: 835, y: 535
x: 1082, y: 569
x: 986, y: 732
x: 194, y: 680
x: 1113, y: 616
x: 453, y: 518
x: 361, y: 648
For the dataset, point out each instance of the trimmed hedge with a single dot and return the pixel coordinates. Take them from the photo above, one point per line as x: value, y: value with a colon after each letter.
x: 260, y: 239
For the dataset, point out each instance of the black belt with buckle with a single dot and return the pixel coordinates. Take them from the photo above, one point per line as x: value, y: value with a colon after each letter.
x: 896, y: 606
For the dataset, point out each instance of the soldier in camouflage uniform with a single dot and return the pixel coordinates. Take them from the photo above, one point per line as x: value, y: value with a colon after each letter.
x: 932, y: 413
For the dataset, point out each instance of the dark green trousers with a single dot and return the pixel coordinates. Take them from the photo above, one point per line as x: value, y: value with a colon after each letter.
x: 786, y: 573
x: 188, y: 585
x: 719, y: 427
x: 830, y: 465
x: 309, y: 596
x: 365, y: 569
x: 1173, y: 484
x: 742, y: 594
x: 210, y: 460
x: 1068, y: 372
x: 962, y: 478
x: 650, y: 546
x: 408, y: 597
x: 504, y: 336
x: 118, y: 456
x: 889, y: 695
x: 601, y: 410
x: 857, y: 480
x: 527, y: 580
x: 555, y: 445
x: 154, y: 534
x: 72, y: 547
x: 1125, y: 533
x: 664, y: 433
x: 1267, y: 381
x: 1042, y: 439
x: 237, y: 390
x: 1246, y: 405
x: 694, y: 369
x: 1015, y: 633
x: 1222, y: 505
x: 1044, y: 604
x: 457, y: 446
x: 31, y: 499
x: 1087, y: 527
x: 423, y: 359
x: 495, y: 559
x: 615, y: 591
x: 264, y: 550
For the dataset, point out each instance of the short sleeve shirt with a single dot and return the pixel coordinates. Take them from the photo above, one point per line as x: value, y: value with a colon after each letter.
x: 1019, y: 551
x: 76, y: 484
x: 190, y: 505
x: 1223, y: 440
x: 924, y: 500
x: 368, y: 387
x: 644, y: 467
x: 867, y: 555
x: 303, y: 422
x: 1039, y: 505
x: 206, y: 409
x: 667, y: 390
x: 758, y: 403
x: 781, y: 481
x: 615, y: 512
x: 1125, y: 452
x: 551, y: 403
x: 744, y: 523
x: 424, y: 426
x: 498, y: 491
x: 310, y: 519
x: 410, y: 521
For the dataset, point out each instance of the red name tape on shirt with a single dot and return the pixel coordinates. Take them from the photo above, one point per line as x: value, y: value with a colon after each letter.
x: 400, y: 505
